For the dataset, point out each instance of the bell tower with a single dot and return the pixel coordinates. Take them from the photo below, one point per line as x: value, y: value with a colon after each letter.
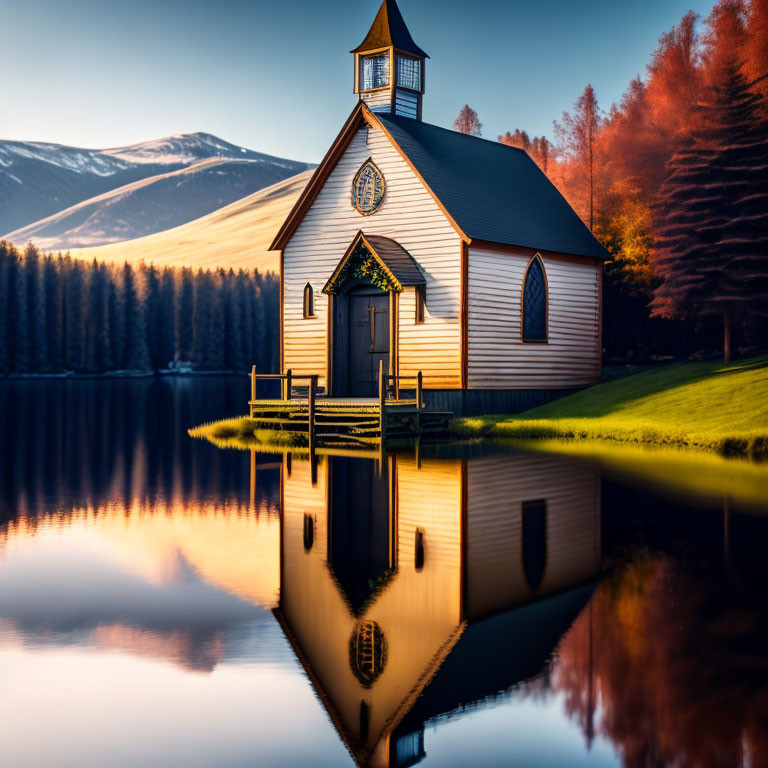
x: 389, y: 66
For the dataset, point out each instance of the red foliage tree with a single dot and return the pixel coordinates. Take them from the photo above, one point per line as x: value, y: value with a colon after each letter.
x: 577, y: 136
x: 712, y: 215
x: 468, y: 122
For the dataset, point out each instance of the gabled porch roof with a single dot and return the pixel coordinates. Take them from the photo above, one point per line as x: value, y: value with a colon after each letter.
x: 398, y: 266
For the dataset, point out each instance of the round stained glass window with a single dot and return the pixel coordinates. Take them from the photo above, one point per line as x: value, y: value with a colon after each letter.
x: 368, y: 188
x: 367, y: 652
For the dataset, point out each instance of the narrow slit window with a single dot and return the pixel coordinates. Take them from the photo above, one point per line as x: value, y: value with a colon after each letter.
x: 309, y: 301
x: 419, y: 550
x: 535, y: 302
x: 309, y: 532
x: 420, y: 303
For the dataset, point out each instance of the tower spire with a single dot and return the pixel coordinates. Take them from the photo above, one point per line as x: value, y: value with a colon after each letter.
x: 389, y: 66
x: 389, y: 31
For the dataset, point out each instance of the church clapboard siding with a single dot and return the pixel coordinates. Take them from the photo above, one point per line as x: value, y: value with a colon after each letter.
x: 401, y: 209
x: 497, y: 488
x: 498, y: 358
x: 325, y: 233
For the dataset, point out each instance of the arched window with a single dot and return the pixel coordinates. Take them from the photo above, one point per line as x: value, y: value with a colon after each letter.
x: 419, y: 550
x: 309, y: 532
x: 534, y: 308
x: 309, y: 301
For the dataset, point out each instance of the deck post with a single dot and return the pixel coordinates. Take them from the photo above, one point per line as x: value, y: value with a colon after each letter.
x: 311, y: 413
x: 253, y: 388
x: 419, y: 388
x: 288, y: 384
x: 382, y: 399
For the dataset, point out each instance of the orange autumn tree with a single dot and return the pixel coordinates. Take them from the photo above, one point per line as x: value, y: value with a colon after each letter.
x: 539, y: 147
x: 468, y: 122
x: 712, y: 213
x: 660, y: 665
x: 615, y: 184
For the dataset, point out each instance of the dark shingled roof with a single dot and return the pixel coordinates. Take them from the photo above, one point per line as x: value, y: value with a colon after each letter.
x: 481, y: 664
x: 492, y: 191
x: 399, y: 262
x: 388, y: 29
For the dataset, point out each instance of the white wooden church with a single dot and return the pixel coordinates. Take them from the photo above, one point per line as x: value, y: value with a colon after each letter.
x: 434, y: 251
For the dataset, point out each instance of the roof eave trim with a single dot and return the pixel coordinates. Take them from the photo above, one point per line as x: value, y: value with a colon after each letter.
x: 328, y: 163
x: 319, y: 177
x: 481, y: 243
x: 459, y: 231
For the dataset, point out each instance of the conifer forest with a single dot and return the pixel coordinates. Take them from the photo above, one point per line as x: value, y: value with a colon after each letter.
x: 60, y: 314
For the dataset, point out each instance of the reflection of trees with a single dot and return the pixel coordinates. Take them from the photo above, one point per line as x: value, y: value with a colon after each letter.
x: 678, y: 673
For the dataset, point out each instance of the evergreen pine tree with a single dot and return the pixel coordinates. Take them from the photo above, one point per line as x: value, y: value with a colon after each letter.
x: 18, y: 314
x: 713, y: 212
x: 51, y: 296
x: 261, y: 351
x: 5, y: 353
x: 116, y: 320
x: 38, y: 356
x: 185, y: 313
x: 234, y: 323
x: 201, y: 320
x: 216, y: 348
x: 243, y: 291
x: 98, y: 346
x: 136, y: 351
x: 151, y: 289
x: 74, y: 312
x: 167, y: 319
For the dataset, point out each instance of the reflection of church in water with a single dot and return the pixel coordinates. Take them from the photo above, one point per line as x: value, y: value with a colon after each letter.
x: 412, y: 592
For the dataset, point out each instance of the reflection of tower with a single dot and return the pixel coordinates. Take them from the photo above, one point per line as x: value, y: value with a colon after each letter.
x: 420, y: 579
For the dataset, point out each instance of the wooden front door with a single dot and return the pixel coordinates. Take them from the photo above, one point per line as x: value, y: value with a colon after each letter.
x: 368, y: 340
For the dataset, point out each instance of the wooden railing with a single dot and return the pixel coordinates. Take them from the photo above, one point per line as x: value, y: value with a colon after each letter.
x: 288, y: 378
x: 384, y: 379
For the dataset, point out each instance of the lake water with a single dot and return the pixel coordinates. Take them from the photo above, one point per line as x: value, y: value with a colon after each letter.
x: 166, y: 603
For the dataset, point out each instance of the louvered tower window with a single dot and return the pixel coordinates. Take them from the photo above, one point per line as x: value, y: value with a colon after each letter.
x: 535, y: 302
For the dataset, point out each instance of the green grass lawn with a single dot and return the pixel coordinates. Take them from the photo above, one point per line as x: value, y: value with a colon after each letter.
x: 245, y: 433
x: 698, y: 405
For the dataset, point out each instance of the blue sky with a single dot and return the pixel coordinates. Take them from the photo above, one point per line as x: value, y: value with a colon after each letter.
x: 277, y: 76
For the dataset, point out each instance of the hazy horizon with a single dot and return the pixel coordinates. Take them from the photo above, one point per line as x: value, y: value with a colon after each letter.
x: 255, y: 73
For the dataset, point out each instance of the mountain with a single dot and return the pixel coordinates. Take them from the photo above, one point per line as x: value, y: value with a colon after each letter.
x: 38, y: 180
x: 236, y: 236
x: 151, y: 205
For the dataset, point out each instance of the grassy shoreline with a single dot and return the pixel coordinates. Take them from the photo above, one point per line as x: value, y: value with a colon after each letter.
x: 242, y: 432
x: 699, y: 406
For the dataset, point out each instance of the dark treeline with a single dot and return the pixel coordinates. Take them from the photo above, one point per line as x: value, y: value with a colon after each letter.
x: 61, y: 314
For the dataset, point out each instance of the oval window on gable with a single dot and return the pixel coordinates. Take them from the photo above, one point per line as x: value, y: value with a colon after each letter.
x: 534, y: 309
x: 368, y: 189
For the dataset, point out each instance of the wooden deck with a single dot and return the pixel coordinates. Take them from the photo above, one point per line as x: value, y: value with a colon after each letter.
x: 344, y: 421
